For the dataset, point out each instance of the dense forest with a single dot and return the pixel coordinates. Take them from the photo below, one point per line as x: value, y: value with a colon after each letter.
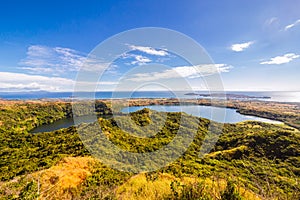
x: 250, y: 160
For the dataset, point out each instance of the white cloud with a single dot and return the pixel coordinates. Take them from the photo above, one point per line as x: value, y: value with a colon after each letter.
x: 241, y: 46
x: 43, y: 59
x: 182, y: 72
x: 149, y: 50
x: 59, y: 60
x: 140, y: 60
x: 15, y: 82
x: 292, y: 25
x: 286, y: 58
x: 24, y: 82
x: 136, y: 59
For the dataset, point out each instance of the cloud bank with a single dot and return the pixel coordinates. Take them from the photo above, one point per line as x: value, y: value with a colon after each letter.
x: 24, y: 82
x: 16, y: 82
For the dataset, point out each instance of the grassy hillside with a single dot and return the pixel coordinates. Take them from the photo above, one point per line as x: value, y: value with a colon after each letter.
x: 251, y: 160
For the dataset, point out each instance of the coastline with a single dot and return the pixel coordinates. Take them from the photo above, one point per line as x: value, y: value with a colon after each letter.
x: 273, y: 96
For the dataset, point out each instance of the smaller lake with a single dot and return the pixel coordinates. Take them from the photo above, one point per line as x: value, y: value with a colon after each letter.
x: 62, y: 123
x: 231, y: 116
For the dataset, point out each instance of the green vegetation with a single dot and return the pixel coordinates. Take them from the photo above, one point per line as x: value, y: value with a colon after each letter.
x: 251, y: 160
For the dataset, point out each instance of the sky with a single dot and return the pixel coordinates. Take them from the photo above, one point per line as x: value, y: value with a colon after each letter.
x: 253, y: 45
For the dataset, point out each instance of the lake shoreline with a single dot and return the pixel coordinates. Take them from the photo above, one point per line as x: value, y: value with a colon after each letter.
x: 228, y: 116
x: 288, y: 113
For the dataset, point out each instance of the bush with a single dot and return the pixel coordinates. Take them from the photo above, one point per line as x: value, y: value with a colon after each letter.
x: 230, y: 192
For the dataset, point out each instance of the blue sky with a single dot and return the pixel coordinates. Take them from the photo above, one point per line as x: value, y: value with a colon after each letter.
x: 254, y: 44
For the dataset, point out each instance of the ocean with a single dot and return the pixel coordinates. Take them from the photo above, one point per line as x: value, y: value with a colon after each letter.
x: 274, y: 96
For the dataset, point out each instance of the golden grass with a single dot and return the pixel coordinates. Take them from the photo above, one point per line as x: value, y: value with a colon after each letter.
x: 138, y: 187
x: 67, y: 174
x: 247, y: 194
x: 58, y: 182
x: 229, y: 152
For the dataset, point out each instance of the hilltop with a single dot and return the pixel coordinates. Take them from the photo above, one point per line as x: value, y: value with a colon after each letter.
x: 251, y: 160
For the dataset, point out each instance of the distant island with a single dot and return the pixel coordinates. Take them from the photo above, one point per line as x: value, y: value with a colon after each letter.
x: 228, y: 96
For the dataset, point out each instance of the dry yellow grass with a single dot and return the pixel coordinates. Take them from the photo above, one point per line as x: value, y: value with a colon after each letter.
x: 58, y: 181
x: 138, y: 187
x: 249, y: 195
x: 67, y: 174
x: 229, y: 152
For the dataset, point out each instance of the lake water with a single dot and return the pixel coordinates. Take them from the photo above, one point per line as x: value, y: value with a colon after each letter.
x: 223, y: 115
x: 62, y: 123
